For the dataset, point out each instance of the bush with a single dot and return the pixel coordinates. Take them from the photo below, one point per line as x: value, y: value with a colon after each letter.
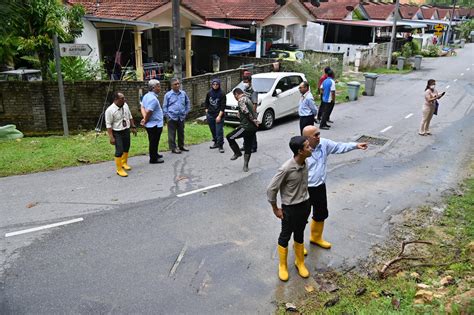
x: 432, y: 51
x: 78, y: 69
x: 411, y: 48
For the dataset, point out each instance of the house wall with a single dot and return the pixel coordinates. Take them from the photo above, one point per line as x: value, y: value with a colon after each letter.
x: 348, y: 50
x: 34, y: 106
x: 90, y: 36
x: 313, y: 38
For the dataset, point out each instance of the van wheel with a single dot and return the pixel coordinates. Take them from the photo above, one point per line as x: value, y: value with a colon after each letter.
x: 268, y: 119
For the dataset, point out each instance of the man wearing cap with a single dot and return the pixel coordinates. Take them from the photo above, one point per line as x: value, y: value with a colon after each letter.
x: 153, y: 120
x: 317, y: 164
x: 176, y: 106
x: 215, y: 108
x: 291, y: 181
x: 119, y: 121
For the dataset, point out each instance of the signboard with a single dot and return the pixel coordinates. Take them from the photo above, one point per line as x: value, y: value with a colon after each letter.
x: 439, y: 27
x: 74, y: 50
x: 438, y: 33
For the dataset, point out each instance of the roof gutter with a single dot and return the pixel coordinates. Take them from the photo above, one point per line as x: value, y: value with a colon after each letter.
x: 143, y: 24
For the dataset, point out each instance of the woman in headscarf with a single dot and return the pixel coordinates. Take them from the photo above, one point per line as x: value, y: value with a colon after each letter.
x: 431, y: 98
x: 215, y: 110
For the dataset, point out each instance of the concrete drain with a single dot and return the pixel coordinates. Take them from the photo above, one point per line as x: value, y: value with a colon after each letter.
x: 372, y: 140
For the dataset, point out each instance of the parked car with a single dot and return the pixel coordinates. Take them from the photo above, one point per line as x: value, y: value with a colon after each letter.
x: 285, y: 54
x: 278, y: 96
x: 21, y: 75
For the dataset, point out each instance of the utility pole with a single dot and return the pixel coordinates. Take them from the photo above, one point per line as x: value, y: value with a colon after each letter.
x: 446, y: 40
x: 177, y: 67
x: 62, y: 100
x: 394, y: 33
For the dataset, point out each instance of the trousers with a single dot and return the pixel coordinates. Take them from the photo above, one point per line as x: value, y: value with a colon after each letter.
x: 295, y: 218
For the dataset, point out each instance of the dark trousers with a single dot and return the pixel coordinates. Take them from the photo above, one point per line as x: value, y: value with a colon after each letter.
x: 254, y: 143
x: 306, y: 121
x: 326, y: 111
x: 319, y: 202
x: 294, y: 221
x: 217, y: 129
x: 122, y: 141
x: 173, y: 127
x: 240, y: 132
x: 320, y: 111
x: 154, y: 135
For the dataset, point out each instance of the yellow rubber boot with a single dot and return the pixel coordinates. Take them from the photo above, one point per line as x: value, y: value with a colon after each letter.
x: 283, y: 266
x: 120, y: 171
x: 316, y: 236
x: 305, y: 251
x: 299, y: 260
x: 125, y: 166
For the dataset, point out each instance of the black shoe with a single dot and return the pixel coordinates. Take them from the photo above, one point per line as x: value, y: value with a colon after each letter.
x: 330, y: 121
x: 160, y: 156
x: 325, y: 127
x: 221, y: 149
x: 254, y: 150
x: 214, y: 146
x: 159, y: 161
x: 235, y: 156
x: 176, y: 151
x: 184, y: 149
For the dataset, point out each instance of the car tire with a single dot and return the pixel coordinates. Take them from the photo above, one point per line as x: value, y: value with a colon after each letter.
x: 268, y: 119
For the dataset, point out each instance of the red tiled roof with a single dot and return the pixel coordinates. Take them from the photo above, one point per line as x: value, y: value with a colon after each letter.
x: 465, y: 12
x: 379, y: 11
x: 119, y: 9
x: 332, y: 10
x: 427, y: 12
x: 443, y: 12
x: 408, y: 11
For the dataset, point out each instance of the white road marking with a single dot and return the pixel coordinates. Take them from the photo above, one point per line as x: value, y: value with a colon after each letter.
x: 455, y: 80
x: 468, y: 69
x: 43, y: 227
x: 462, y: 74
x: 408, y: 116
x: 386, y: 129
x: 447, y: 87
x: 198, y: 190
x: 178, y: 260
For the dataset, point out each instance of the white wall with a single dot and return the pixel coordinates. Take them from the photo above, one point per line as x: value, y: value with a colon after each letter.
x: 90, y: 36
x: 313, y: 37
x: 202, y: 32
x: 348, y: 50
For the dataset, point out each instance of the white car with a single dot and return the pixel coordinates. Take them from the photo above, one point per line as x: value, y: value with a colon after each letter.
x: 278, y: 96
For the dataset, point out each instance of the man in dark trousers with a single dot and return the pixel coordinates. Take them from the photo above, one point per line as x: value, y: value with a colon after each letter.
x: 317, y: 164
x: 291, y: 181
x: 215, y: 109
x: 328, y: 97
x: 247, y: 128
x: 253, y: 95
x: 153, y: 120
x: 321, y: 80
x: 176, y: 106
x: 307, y: 109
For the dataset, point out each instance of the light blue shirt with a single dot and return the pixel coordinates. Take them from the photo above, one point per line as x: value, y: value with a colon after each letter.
x: 317, y: 162
x: 176, y: 105
x: 151, y: 103
x: 307, y: 107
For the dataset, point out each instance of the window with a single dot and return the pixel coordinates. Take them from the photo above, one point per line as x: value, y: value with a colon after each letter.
x: 295, y: 80
x: 283, y: 84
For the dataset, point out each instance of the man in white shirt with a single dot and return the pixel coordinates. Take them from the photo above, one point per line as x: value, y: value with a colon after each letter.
x: 119, y: 120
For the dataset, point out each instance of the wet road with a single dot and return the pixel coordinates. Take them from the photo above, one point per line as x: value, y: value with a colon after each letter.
x: 142, y: 249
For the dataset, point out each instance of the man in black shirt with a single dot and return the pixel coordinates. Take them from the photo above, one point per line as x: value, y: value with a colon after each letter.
x: 215, y: 109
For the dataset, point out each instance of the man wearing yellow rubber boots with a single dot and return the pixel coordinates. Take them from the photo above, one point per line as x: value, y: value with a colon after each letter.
x: 317, y: 178
x: 292, y: 182
x: 118, y: 121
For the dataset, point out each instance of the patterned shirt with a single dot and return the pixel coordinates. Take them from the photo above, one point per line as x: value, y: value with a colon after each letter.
x: 246, y: 113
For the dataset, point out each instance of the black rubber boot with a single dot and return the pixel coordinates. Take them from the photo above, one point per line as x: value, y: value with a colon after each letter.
x: 246, y: 162
x: 236, y: 149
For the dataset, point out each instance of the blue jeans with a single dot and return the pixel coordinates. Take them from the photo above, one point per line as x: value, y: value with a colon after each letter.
x: 217, y: 129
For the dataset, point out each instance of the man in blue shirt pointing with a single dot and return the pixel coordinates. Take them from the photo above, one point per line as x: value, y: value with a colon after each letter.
x: 317, y: 163
x: 176, y: 106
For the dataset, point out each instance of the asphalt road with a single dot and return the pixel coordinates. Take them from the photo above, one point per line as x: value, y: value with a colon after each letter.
x: 142, y: 249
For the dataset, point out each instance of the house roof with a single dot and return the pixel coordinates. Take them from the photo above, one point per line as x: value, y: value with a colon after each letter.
x: 465, y: 12
x: 333, y: 10
x: 119, y: 9
x: 428, y: 12
x: 379, y: 11
x: 443, y: 12
x: 220, y: 26
x: 408, y: 11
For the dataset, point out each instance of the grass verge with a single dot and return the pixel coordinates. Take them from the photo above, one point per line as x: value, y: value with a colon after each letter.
x: 440, y: 283
x: 392, y: 70
x: 36, y: 154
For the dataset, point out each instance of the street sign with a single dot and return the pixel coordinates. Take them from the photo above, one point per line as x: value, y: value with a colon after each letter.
x: 438, y: 33
x: 439, y: 27
x: 74, y: 50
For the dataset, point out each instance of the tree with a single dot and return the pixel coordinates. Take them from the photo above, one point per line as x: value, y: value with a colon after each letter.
x: 32, y: 24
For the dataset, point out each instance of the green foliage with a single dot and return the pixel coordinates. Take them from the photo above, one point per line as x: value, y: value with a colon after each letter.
x: 32, y: 24
x: 410, y: 49
x: 77, y: 69
x: 465, y: 29
x: 462, y: 3
x: 432, y: 51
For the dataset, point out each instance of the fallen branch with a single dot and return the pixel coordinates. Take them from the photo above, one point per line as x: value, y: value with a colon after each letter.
x: 401, y: 256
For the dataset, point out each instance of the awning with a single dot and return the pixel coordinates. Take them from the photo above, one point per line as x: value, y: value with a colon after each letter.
x: 430, y: 22
x: 238, y: 47
x: 374, y: 23
x: 220, y: 26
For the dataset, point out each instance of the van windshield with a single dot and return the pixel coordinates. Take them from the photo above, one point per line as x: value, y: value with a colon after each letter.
x: 260, y: 85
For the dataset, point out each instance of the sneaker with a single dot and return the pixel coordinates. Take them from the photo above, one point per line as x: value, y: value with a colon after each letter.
x: 214, y: 146
x: 176, y: 151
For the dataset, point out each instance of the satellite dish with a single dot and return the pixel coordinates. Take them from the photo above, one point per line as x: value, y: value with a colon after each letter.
x: 280, y: 2
x: 315, y: 3
x: 349, y: 8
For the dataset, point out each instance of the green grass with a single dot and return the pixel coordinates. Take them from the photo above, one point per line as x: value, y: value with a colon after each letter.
x: 36, y: 154
x: 449, y: 255
x: 392, y: 70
